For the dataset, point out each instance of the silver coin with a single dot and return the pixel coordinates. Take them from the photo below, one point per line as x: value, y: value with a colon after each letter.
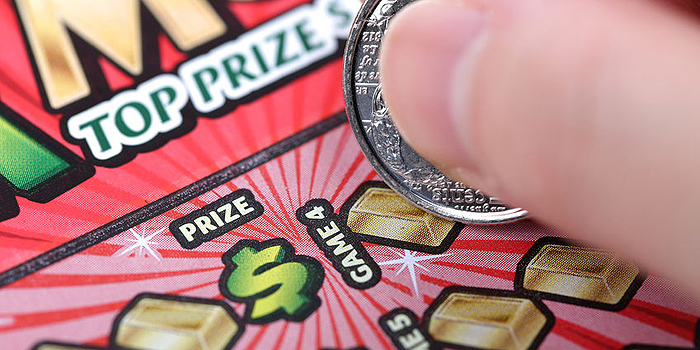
x: 394, y: 160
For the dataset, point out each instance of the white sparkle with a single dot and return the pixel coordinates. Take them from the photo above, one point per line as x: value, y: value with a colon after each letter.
x: 143, y: 243
x: 409, y: 260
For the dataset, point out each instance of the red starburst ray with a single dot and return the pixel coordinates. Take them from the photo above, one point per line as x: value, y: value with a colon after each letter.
x: 252, y: 14
x: 378, y: 333
x: 191, y: 288
x: 102, y: 249
x: 396, y: 302
x: 506, y: 275
x: 220, y: 146
x: 282, y: 232
x: 170, y: 56
x: 505, y: 246
x: 17, y: 89
x: 276, y: 196
x: 224, y: 141
x: 187, y: 254
x: 334, y: 327
x: 332, y: 98
x: 252, y: 227
x: 314, y: 166
x: 584, y: 337
x: 280, y: 336
x: 258, y: 337
x: 9, y: 245
x: 318, y: 329
x: 267, y: 232
x: 117, y: 193
x: 297, y: 169
x: 371, y: 176
x: 102, y: 341
x: 238, y: 307
x: 77, y: 211
x: 374, y: 303
x: 398, y: 286
x: 98, y: 195
x: 287, y: 231
x: 297, y: 97
x: 198, y: 202
x: 148, y: 178
x: 193, y: 145
x: 359, y: 159
x: 221, y: 191
x: 336, y: 157
x: 348, y: 320
x: 274, y: 128
x: 436, y: 281
x: 669, y: 320
x: 283, y: 175
x: 245, y: 132
x: 220, y: 297
x: 236, y: 234
x: 231, y: 186
x: 16, y: 61
x: 302, y: 327
x: 378, y: 252
x: 37, y: 319
x: 172, y: 215
x: 66, y: 280
x: 20, y: 234
x: 116, y: 78
x: 167, y: 157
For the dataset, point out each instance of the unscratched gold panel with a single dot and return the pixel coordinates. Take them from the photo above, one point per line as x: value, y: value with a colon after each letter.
x: 579, y: 273
x: 484, y: 321
x: 383, y: 213
x: 175, y: 325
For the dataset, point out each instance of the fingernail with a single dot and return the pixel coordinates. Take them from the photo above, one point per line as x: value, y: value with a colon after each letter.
x: 426, y: 45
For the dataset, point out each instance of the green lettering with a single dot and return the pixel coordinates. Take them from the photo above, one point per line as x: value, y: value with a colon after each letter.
x: 233, y: 74
x: 99, y: 132
x: 158, y: 103
x: 344, y: 16
x: 202, y: 85
x: 280, y: 40
x: 305, y: 35
x: 260, y: 59
x: 125, y: 129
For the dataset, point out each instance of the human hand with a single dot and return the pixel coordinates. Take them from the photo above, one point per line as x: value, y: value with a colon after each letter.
x: 584, y: 112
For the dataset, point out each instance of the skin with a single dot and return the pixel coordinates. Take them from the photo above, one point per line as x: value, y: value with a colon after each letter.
x: 584, y: 112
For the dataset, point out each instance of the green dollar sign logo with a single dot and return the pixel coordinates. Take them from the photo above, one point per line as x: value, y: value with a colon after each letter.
x: 273, y: 281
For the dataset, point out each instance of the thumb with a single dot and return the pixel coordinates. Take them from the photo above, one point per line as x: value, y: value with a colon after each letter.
x: 584, y: 112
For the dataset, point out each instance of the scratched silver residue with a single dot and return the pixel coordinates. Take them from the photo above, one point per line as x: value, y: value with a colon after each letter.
x: 394, y: 160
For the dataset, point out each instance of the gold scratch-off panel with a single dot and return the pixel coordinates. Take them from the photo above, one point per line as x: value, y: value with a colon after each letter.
x: 383, y: 213
x: 487, y: 321
x: 175, y: 325
x: 580, y: 273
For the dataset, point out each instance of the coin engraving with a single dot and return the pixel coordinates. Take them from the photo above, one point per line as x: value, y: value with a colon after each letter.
x: 394, y: 160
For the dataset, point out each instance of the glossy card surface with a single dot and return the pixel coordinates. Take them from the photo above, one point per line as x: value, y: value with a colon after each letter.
x: 181, y: 175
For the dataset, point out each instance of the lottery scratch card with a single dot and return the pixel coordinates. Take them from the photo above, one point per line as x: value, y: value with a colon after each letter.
x: 181, y: 175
